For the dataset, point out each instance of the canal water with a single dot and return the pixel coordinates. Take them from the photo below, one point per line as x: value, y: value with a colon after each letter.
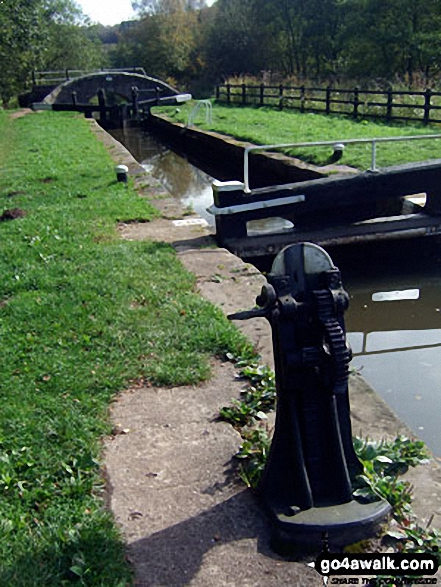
x: 183, y: 180
x: 394, y: 327
x: 394, y: 318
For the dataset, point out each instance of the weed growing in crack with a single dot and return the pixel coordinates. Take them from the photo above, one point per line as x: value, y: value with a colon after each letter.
x: 383, y: 462
x: 258, y: 398
x: 253, y: 453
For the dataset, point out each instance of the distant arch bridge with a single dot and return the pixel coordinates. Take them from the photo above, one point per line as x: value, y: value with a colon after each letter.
x: 65, y: 86
x: 117, y: 83
x: 117, y: 95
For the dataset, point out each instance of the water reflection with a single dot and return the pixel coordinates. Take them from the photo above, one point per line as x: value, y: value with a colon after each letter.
x: 184, y: 181
x: 396, y: 341
x: 390, y: 342
x: 266, y: 226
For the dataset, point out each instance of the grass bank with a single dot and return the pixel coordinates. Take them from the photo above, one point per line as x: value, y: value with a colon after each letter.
x: 262, y: 126
x: 82, y: 313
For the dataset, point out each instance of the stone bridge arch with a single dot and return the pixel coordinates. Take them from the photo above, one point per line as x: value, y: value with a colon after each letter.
x: 117, y: 83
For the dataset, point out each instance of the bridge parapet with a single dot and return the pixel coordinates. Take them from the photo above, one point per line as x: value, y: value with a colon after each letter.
x: 56, y: 77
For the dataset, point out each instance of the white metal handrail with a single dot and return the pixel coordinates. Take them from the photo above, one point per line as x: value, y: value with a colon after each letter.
x: 208, y: 112
x: 338, y: 144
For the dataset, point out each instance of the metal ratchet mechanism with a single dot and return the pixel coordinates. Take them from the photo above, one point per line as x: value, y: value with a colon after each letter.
x: 286, y: 297
x: 307, y: 484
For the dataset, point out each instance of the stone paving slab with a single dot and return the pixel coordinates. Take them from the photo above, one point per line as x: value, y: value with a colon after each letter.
x: 186, y: 519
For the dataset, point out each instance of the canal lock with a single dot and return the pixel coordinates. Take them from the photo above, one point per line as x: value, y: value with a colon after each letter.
x: 394, y: 316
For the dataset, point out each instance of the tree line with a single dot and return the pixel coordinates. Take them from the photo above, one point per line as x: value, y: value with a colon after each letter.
x: 325, y: 40
x: 195, y: 45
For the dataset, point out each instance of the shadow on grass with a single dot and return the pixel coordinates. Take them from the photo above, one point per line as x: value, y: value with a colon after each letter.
x: 94, y: 556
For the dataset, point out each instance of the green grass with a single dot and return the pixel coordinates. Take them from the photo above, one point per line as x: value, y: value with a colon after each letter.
x: 82, y: 313
x: 267, y: 126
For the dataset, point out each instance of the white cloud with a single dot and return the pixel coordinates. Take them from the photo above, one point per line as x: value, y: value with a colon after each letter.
x: 107, y: 13
x: 110, y: 13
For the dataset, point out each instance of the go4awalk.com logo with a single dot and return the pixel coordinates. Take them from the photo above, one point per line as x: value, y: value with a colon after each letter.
x: 377, y: 569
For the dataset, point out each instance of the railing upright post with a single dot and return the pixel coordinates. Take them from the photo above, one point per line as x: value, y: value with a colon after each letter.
x: 427, y: 105
x: 374, y: 156
x: 228, y: 94
x: 244, y: 94
x: 217, y: 92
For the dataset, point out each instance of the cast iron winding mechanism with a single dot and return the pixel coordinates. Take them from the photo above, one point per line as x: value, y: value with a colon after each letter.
x: 307, y: 485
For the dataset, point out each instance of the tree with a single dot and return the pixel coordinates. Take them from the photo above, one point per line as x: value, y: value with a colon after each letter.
x: 70, y: 40
x: 144, y: 7
x: 393, y: 38
x: 301, y: 35
x: 308, y: 39
x: 164, y: 43
x: 37, y: 34
x: 234, y: 40
x: 70, y: 46
x: 21, y: 38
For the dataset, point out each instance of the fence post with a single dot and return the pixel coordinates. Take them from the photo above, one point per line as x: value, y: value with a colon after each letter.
x: 328, y: 100
x: 427, y: 105
x: 244, y: 94
x: 217, y: 92
x: 281, y: 96
x: 390, y: 103
x: 302, y: 98
x: 356, y: 103
x: 262, y: 95
x: 228, y: 94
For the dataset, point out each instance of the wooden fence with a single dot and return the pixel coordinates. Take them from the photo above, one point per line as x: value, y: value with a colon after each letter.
x: 421, y: 106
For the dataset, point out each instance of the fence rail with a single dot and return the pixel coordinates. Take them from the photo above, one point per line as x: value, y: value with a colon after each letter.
x: 421, y: 106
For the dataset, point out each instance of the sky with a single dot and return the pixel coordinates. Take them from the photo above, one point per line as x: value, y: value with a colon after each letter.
x: 111, y: 12
x: 107, y: 13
